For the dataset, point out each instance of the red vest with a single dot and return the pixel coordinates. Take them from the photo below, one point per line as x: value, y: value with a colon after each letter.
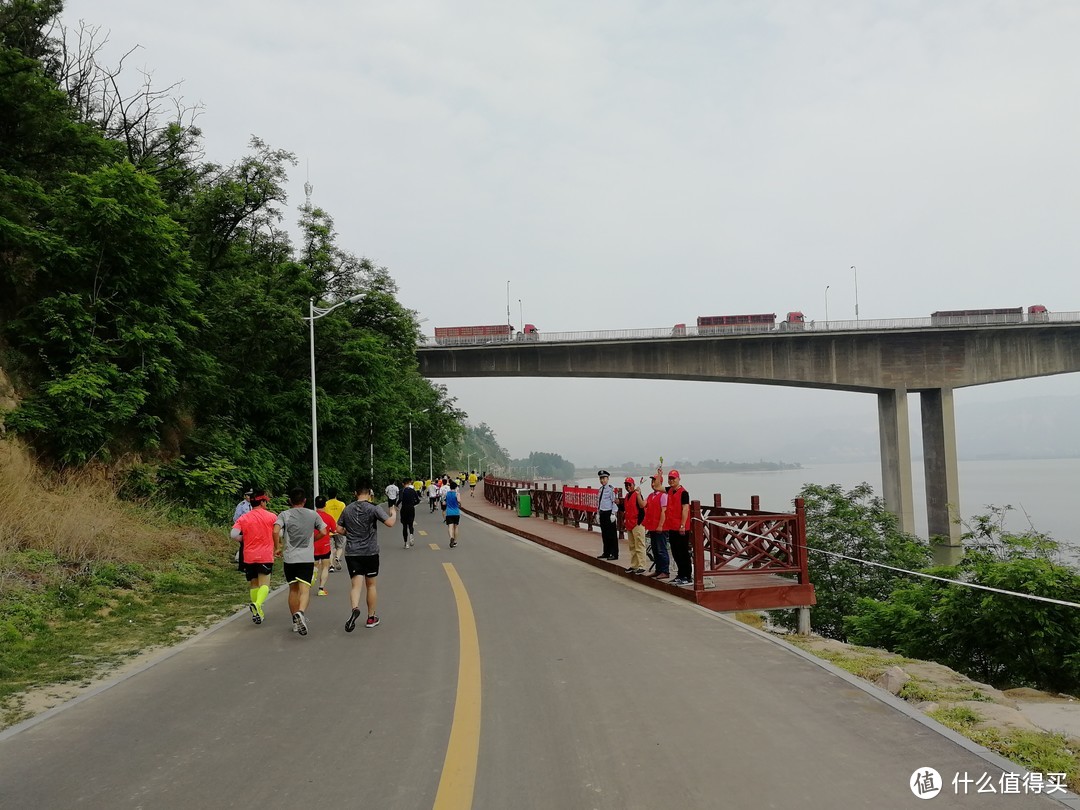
x: 652, y: 512
x: 673, y: 518
x: 633, y: 511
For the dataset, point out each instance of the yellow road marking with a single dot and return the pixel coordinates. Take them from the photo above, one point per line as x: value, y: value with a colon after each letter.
x: 434, y: 546
x: 423, y: 533
x: 462, y: 751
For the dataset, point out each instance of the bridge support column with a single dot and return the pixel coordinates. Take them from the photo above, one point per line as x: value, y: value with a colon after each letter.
x: 942, y: 479
x: 895, y: 438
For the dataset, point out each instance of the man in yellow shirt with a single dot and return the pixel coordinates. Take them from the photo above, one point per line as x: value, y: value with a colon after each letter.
x: 335, y: 507
x: 473, y: 478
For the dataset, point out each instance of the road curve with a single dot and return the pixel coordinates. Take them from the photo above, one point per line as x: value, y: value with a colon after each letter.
x: 594, y: 693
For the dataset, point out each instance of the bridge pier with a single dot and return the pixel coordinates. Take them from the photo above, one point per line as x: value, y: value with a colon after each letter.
x: 942, y: 478
x: 895, y: 436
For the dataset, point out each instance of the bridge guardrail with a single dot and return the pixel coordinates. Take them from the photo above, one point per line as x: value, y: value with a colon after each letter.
x: 832, y: 325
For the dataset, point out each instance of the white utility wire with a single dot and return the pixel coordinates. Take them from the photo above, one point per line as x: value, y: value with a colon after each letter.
x: 912, y: 573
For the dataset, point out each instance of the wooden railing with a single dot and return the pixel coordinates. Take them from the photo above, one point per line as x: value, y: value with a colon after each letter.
x: 547, y: 502
x: 726, y: 541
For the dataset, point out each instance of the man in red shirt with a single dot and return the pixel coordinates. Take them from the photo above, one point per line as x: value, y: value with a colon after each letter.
x: 655, y: 515
x: 322, y: 545
x: 677, y: 524
x: 255, y: 531
x: 633, y: 506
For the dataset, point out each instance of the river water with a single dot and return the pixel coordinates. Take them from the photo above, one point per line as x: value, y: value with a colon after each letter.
x: 1042, y: 488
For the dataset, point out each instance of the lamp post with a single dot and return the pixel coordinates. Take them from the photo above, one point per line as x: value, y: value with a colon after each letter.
x: 468, y: 464
x: 826, y: 306
x: 411, y: 476
x: 318, y: 312
x: 856, y: 272
x: 430, y: 464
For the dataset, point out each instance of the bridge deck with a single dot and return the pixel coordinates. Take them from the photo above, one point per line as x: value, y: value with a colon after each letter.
x: 722, y: 593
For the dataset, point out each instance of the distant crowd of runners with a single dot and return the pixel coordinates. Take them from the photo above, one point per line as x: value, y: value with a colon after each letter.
x: 312, y: 542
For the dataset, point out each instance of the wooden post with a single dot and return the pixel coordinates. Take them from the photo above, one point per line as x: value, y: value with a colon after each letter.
x: 699, y: 547
x: 755, y: 503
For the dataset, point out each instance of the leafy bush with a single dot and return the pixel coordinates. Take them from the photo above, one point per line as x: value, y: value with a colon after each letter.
x: 856, y: 524
x: 1003, y: 640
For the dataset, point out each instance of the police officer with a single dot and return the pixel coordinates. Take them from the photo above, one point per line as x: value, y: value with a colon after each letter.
x: 607, y: 512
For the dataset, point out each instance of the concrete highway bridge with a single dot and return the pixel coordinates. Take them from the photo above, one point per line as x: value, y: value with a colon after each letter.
x: 886, y: 358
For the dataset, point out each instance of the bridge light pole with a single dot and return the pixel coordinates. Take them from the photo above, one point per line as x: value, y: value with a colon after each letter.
x: 826, y: 306
x: 411, y: 476
x: 314, y: 313
x: 855, y: 270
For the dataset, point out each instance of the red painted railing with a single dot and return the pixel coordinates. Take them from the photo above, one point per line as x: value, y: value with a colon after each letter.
x: 547, y: 503
x: 726, y: 541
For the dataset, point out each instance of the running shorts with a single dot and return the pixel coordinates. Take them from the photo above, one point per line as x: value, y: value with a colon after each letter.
x: 363, y: 566
x: 299, y: 572
x: 252, y: 570
x: 453, y: 520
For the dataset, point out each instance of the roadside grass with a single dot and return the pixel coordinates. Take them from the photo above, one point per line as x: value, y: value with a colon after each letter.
x: 88, y: 581
x: 1037, y: 751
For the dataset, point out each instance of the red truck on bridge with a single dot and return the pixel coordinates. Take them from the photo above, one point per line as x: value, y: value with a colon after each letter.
x: 495, y: 333
x: 731, y: 324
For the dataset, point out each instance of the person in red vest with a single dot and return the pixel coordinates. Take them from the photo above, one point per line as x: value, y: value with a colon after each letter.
x: 655, y: 514
x: 633, y: 507
x: 677, y: 523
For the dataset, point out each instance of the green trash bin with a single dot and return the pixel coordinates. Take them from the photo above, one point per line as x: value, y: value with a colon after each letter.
x: 524, y: 503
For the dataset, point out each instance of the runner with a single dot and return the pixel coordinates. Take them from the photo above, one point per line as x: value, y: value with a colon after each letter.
x: 254, y: 530
x: 453, y: 513
x: 392, y: 492
x: 473, y: 478
x: 322, y: 546
x: 335, y: 508
x: 294, y: 538
x: 360, y: 523
x: 409, y: 499
x: 432, y: 495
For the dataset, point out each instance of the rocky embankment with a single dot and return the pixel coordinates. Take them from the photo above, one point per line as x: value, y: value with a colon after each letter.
x: 1008, y: 722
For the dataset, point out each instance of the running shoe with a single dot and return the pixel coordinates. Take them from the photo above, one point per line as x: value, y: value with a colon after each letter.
x: 301, y: 623
x: 261, y: 612
x: 372, y: 621
x: 322, y: 591
x: 350, y: 625
x: 294, y: 622
x: 453, y: 543
x: 412, y: 542
x: 255, y: 615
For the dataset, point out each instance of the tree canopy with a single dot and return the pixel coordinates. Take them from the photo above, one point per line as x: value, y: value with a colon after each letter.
x: 157, y: 307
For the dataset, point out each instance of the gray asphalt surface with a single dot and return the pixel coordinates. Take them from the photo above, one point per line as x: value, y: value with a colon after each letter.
x: 596, y: 694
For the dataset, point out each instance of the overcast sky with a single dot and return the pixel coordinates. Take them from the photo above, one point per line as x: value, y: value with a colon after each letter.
x: 637, y: 163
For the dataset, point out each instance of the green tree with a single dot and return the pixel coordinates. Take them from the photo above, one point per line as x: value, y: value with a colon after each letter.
x: 1004, y: 640
x: 857, y: 525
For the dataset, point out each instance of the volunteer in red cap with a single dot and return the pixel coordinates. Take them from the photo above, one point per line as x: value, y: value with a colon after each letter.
x: 655, y: 511
x: 633, y: 514
x: 677, y: 523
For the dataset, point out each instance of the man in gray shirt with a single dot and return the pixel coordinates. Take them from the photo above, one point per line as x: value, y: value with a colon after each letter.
x: 294, y: 538
x: 360, y: 524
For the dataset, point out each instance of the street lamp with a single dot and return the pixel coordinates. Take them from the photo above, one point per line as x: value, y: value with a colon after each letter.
x: 468, y: 464
x: 410, y: 445
x: 318, y: 312
x: 826, y: 306
x: 856, y: 292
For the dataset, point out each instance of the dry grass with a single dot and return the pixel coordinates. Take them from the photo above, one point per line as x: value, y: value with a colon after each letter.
x: 87, y: 580
x: 75, y: 516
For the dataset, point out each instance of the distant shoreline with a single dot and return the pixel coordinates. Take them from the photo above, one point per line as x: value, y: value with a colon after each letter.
x: 690, y: 469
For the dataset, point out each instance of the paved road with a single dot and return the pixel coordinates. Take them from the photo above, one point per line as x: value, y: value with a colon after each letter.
x: 595, y: 694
